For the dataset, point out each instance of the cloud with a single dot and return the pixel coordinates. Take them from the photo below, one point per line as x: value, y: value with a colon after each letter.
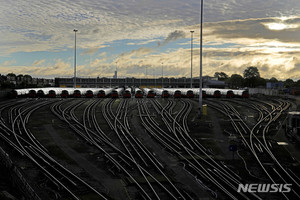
x: 39, y: 62
x: 47, y: 71
x: 258, y: 31
x: 172, y: 37
x: 8, y: 62
x: 244, y: 31
x: 90, y: 51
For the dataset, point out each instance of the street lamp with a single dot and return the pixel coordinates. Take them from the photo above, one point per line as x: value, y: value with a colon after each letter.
x: 147, y: 76
x: 200, y: 78
x: 192, y: 59
x: 154, y: 77
x: 75, y: 60
x: 162, y: 75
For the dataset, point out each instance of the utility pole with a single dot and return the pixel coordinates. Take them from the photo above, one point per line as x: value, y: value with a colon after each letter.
x: 200, y: 78
x: 162, y: 75
x: 154, y: 77
x: 192, y: 59
x: 147, y: 76
x: 75, y: 60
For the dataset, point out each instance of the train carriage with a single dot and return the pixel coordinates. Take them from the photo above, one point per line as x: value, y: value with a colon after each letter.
x: 77, y: 93
x: 32, y: 93
x: 228, y: 93
x: 52, y: 94
x: 212, y: 92
x: 189, y: 94
x: 165, y: 94
x: 105, y: 92
x: 245, y: 94
x: 89, y: 94
x: 175, y: 92
x: 138, y: 93
x: 64, y: 94
x: 13, y: 94
x: 116, y: 93
x: 197, y: 90
x: 40, y: 93
x: 127, y: 93
x: 241, y: 93
x: 101, y: 94
x: 150, y: 93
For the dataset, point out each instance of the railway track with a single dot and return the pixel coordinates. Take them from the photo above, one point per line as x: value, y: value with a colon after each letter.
x: 23, y: 141
x: 129, y: 158
x: 195, y: 157
x: 256, y: 140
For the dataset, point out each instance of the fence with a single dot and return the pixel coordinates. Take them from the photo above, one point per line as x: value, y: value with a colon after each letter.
x: 269, y: 92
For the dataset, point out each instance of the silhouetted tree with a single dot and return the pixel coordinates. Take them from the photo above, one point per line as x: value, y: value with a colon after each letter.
x: 11, y: 76
x: 260, y: 82
x: 273, y: 80
x: 297, y: 84
x: 289, y: 83
x: 222, y: 76
x: 251, y: 76
x: 236, y: 81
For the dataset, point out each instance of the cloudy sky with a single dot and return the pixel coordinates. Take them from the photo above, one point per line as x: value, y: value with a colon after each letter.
x: 140, y: 36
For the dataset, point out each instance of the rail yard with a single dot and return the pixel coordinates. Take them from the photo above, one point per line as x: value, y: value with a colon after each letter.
x: 147, y: 144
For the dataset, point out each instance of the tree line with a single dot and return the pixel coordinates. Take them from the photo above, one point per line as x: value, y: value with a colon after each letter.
x: 12, y: 80
x: 251, y: 78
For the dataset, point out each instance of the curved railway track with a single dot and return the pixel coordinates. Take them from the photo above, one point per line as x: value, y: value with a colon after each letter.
x: 255, y: 139
x: 22, y: 140
x: 106, y: 125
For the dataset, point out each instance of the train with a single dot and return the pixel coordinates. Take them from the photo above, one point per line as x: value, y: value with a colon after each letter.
x: 105, y: 92
x: 40, y: 94
x: 174, y: 92
x: 227, y: 93
x: 52, y: 94
x: 150, y: 93
x: 77, y: 94
x: 116, y: 93
x: 187, y: 93
x: 127, y: 93
x: 32, y: 93
x: 241, y: 93
x: 64, y: 94
x: 164, y: 93
x: 138, y: 93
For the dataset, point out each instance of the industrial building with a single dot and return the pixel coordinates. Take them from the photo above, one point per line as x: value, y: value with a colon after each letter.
x: 208, y: 82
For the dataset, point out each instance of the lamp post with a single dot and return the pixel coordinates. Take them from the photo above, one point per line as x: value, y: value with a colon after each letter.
x: 75, y: 60
x: 162, y: 75
x: 154, y: 77
x: 200, y: 78
x: 147, y: 76
x: 192, y: 58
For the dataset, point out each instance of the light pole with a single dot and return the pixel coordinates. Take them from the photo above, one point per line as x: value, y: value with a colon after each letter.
x: 192, y: 59
x: 146, y: 76
x: 200, y: 78
x: 154, y: 77
x: 75, y: 60
x: 162, y: 75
